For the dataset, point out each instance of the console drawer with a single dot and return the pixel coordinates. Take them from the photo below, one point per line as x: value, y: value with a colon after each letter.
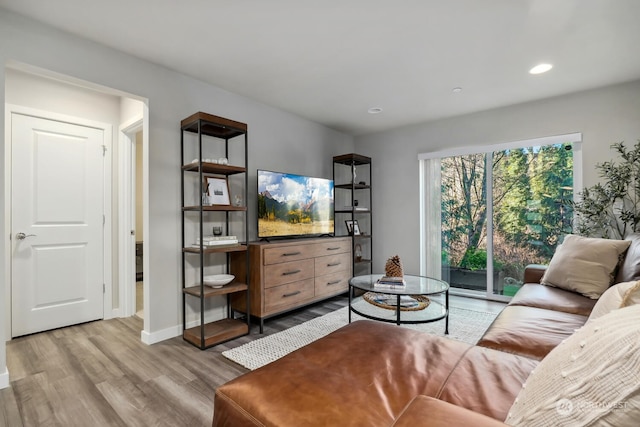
x: 332, y: 283
x: 287, y: 253
x: 331, y: 247
x: 287, y: 272
x: 332, y: 264
x: 287, y: 296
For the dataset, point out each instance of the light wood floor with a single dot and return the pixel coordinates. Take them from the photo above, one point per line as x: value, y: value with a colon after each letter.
x: 101, y: 374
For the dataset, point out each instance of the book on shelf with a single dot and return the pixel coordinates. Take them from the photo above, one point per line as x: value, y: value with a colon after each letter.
x: 214, y: 243
x: 215, y: 238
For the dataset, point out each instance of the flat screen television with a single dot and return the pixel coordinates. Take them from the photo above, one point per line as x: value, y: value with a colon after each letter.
x: 294, y: 205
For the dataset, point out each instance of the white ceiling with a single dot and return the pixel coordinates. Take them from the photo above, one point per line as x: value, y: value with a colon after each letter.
x: 331, y: 60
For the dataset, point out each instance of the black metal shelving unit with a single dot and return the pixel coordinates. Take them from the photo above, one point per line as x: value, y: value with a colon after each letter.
x: 352, y: 182
x: 208, y: 130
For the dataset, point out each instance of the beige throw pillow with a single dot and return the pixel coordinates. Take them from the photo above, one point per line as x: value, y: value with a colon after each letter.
x: 585, y: 265
x: 617, y: 296
x: 591, y: 379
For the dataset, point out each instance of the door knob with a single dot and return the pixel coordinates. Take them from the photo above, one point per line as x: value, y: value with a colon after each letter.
x: 22, y: 236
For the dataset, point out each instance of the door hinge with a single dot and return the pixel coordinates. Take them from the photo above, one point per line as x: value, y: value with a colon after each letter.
x: 104, y: 150
x: 104, y: 288
x: 104, y: 219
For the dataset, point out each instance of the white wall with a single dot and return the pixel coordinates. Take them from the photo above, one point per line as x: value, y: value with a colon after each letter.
x: 277, y: 140
x: 603, y: 116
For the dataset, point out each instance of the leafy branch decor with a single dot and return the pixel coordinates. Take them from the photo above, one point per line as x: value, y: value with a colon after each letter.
x: 611, y: 208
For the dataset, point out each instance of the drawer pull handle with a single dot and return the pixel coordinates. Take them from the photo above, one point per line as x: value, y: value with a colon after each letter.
x: 290, y: 294
x: 287, y: 273
x: 291, y: 253
x: 334, y: 264
x: 335, y: 282
x: 333, y: 249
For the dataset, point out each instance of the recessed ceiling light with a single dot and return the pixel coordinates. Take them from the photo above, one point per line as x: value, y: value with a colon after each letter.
x: 374, y: 110
x: 457, y: 89
x: 540, y: 68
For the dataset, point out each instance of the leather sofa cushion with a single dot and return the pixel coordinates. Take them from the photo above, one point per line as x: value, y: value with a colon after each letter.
x: 530, y: 331
x: 550, y: 298
x: 424, y: 410
x: 533, y: 273
x: 630, y: 268
x: 362, y: 374
x: 487, y: 381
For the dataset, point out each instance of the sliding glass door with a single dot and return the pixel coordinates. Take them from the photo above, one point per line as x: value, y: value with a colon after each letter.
x: 485, y: 216
x: 464, y: 210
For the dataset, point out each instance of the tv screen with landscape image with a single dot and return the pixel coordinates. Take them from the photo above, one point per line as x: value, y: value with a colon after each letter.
x: 294, y: 205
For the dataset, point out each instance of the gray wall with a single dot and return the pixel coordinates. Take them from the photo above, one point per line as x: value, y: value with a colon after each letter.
x: 277, y: 140
x: 603, y: 116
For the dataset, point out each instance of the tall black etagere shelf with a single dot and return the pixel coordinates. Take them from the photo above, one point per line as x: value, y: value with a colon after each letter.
x: 352, y: 186
x: 210, y: 130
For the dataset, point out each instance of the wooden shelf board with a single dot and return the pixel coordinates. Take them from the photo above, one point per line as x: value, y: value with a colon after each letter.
x: 214, y: 168
x: 216, y: 332
x: 209, y: 291
x: 211, y: 125
x: 363, y: 261
x: 352, y: 158
x: 215, y: 208
x: 353, y: 186
x: 360, y: 211
x: 216, y: 249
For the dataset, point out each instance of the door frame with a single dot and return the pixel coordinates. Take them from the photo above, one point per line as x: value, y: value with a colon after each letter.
x: 430, y: 258
x: 107, y: 128
x: 127, y: 211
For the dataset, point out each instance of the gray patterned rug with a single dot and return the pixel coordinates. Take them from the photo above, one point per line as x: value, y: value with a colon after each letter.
x: 464, y: 325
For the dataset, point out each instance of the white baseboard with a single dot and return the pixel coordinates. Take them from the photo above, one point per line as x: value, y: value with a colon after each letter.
x: 4, y: 379
x: 165, y: 334
x: 174, y: 331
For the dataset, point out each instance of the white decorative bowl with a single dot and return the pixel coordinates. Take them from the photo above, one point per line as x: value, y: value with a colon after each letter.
x: 218, y: 280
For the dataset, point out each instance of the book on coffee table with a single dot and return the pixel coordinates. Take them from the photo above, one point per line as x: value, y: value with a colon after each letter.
x: 387, y: 282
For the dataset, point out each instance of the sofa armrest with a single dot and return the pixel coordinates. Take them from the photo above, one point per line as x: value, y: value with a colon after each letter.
x: 424, y: 410
x: 533, y: 273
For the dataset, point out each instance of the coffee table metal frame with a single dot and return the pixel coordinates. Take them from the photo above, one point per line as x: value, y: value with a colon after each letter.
x: 415, y: 285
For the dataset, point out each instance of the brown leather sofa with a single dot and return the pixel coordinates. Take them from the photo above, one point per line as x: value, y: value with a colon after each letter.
x: 375, y: 374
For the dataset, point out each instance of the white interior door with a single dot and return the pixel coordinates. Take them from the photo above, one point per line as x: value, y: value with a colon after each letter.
x: 57, y: 224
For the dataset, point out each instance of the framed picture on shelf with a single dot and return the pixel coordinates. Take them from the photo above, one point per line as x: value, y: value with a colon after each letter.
x: 218, y: 190
x: 352, y: 227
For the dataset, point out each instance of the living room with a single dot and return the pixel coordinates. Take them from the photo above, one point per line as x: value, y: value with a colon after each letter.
x: 285, y: 141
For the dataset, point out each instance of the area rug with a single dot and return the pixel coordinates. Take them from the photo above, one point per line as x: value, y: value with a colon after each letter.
x: 464, y: 325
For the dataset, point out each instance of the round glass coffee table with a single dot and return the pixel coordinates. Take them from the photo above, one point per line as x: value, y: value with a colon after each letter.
x: 399, y: 308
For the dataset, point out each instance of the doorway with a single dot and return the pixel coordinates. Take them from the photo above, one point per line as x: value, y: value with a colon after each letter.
x: 131, y: 221
x: 32, y: 89
x: 139, y: 257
